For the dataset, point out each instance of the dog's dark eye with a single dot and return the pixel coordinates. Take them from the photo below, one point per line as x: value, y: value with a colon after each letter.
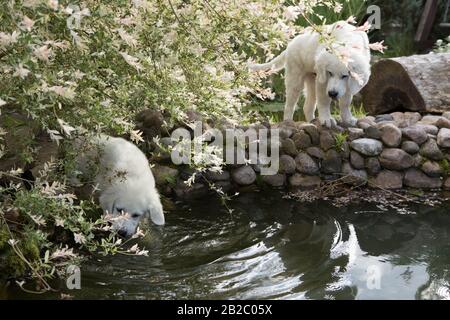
x: 135, y: 215
x: 330, y: 74
x: 344, y: 76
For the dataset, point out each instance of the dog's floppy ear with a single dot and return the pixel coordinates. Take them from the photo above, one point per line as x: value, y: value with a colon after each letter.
x: 107, y: 201
x: 359, y: 75
x: 320, y: 67
x: 155, y: 210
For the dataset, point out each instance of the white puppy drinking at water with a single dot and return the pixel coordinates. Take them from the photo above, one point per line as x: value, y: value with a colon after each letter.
x: 326, y: 76
x: 122, y: 175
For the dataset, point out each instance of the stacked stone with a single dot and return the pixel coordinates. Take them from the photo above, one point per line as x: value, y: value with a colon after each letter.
x: 413, y: 152
x: 389, y: 151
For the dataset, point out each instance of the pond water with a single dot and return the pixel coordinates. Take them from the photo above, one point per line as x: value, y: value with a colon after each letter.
x: 274, y: 248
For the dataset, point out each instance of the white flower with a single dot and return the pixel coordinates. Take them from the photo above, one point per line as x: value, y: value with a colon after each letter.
x: 38, y: 219
x: 210, y: 69
x: 377, y: 46
x: 43, y: 53
x: 136, y: 136
x: 365, y: 27
x: 31, y: 3
x: 63, y: 253
x: 78, y: 75
x: 69, y: 10
x: 53, y: 4
x: 105, y: 103
x: 59, y: 222
x: 12, y: 242
x: 134, y: 248
x: 7, y: 39
x: 337, y: 7
x: 79, y: 41
x: 292, y: 12
x: 144, y: 5
x: 26, y: 24
x: 351, y: 20
x: 67, y: 129
x: 126, y: 21
x: 227, y: 76
x: 142, y: 253
x: 127, y: 38
x: 132, y: 61
x: 79, y: 238
x: 68, y: 93
x: 255, y: 8
x: 16, y: 172
x: 178, y: 75
x: 21, y: 71
x: 54, y: 135
x: 63, y: 45
x: 138, y: 233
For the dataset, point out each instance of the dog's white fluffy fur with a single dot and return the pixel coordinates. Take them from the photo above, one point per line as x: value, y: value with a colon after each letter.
x: 322, y: 74
x: 124, y: 179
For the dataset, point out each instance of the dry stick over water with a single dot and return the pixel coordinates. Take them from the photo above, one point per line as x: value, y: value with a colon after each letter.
x: 339, y: 186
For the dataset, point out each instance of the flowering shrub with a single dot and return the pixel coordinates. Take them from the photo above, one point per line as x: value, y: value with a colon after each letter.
x: 95, y: 64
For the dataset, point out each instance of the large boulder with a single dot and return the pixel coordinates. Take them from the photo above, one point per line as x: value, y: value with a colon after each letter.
x: 431, y: 150
x: 396, y: 159
x: 312, y: 131
x: 288, y: 147
x: 372, y: 165
x: 327, y: 140
x: 244, y: 175
x: 356, y: 160
x: 417, y: 179
x: 391, y: 135
x: 306, y: 164
x: 366, y: 146
x: 410, y: 146
x: 354, y: 176
x: 405, y: 119
x: 287, y: 164
x: 275, y: 180
x: 443, y: 138
x: 332, y: 162
x: 387, y: 179
x: 432, y: 168
x: 315, y: 152
x: 302, y: 140
x: 355, y: 133
x: 416, y: 134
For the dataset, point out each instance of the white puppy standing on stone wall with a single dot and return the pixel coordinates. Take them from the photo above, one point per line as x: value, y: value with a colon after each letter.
x: 323, y: 74
x: 124, y: 179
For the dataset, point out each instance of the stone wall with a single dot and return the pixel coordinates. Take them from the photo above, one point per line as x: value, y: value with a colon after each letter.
x: 389, y: 151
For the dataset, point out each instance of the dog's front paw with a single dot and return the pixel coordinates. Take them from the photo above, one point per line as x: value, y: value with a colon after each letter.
x: 351, y: 122
x: 328, y: 122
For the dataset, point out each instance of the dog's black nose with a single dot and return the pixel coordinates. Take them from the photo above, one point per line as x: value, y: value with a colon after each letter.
x: 122, y: 233
x: 332, y: 94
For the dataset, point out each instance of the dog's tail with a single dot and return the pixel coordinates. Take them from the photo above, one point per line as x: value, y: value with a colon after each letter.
x: 274, y: 65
